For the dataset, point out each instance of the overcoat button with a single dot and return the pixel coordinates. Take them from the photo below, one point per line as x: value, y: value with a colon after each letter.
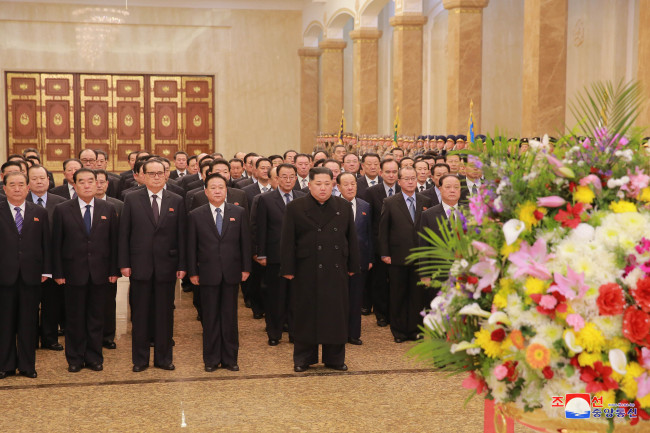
x: 320, y: 247
x: 320, y: 266
x: 335, y: 229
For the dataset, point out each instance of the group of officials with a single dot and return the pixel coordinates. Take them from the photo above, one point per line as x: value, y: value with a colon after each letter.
x: 313, y: 240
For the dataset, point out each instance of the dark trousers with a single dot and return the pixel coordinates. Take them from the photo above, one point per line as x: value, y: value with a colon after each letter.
x: 380, y: 294
x: 196, y: 299
x: 18, y: 326
x: 307, y: 354
x: 367, y: 293
x: 254, y: 286
x: 220, y: 329
x: 356, y: 283
x: 109, y: 313
x: 52, y: 301
x: 84, y: 306
x: 155, y: 299
x: 406, y: 301
x: 277, y: 302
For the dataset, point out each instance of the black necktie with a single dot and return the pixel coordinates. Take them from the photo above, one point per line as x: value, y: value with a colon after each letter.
x: 154, y: 208
x: 40, y: 202
x: 87, y: 219
x: 181, y: 174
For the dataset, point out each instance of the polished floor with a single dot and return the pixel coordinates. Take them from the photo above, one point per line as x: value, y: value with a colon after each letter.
x: 382, y: 391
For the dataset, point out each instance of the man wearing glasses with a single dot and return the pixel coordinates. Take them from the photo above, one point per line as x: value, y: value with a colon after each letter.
x: 152, y: 255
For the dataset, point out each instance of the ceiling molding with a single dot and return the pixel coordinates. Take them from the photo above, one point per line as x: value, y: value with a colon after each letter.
x: 184, y: 4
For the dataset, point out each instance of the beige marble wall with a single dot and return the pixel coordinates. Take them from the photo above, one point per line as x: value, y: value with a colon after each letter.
x: 385, y: 60
x: 365, y: 80
x: 309, y: 67
x: 252, y: 55
x: 435, y: 74
x: 407, y: 71
x: 644, y: 60
x: 331, y: 84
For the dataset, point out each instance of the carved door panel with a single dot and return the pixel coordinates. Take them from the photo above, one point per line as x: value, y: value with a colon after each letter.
x: 165, y: 115
x: 57, y: 120
x: 198, y: 114
x: 128, y: 117
x: 96, y: 102
x: 23, y: 112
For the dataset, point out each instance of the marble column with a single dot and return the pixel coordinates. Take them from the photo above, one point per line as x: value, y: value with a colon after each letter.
x: 407, y: 71
x: 365, y: 79
x: 545, y: 63
x: 464, y: 63
x: 309, y: 58
x: 332, y: 83
x: 643, y: 71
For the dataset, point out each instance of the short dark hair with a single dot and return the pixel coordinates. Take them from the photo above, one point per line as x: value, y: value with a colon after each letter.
x: 101, y: 152
x: 14, y: 173
x: 284, y: 155
x: 460, y: 158
x: 260, y: 160
x: 319, y: 162
x: 303, y: 155
x: 84, y: 150
x: 131, y: 153
x: 370, y: 155
x: 406, y: 158
x: 350, y: 153
x: 418, y: 161
x: 343, y: 173
x: 203, y: 158
x: 211, y: 176
x: 34, y: 158
x: 287, y: 165
x: 69, y: 160
x: 396, y: 148
x: 193, y: 157
x: 235, y: 160
x: 9, y: 164
x: 34, y: 167
x: 81, y: 171
x: 151, y: 161
x: 101, y: 171
x: 249, y: 155
x: 15, y: 155
x: 336, y: 146
x: 327, y: 154
x: 385, y: 161
x: 217, y: 155
x: 442, y: 179
x: 220, y: 161
x: 180, y: 152
x: 272, y: 157
x: 399, y: 172
x: 31, y: 149
x: 320, y: 170
x: 440, y: 164
x: 333, y: 161
x: 205, y: 164
x: 137, y: 167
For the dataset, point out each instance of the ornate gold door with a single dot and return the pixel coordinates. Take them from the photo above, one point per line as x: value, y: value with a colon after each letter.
x: 57, y: 119
x: 23, y: 112
x: 198, y: 114
x: 128, y: 118
x: 165, y: 115
x: 96, y: 120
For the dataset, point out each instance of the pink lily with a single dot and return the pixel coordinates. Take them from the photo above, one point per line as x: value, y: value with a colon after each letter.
x: 488, y: 271
x: 484, y: 248
x: 643, y: 385
x: 551, y: 201
x: 568, y: 285
x: 576, y: 321
x: 594, y: 180
x: 531, y: 260
x: 645, y: 358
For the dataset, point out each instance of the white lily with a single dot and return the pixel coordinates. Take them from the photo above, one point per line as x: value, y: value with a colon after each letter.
x: 474, y: 310
x: 463, y: 345
x: 499, y: 317
x: 512, y: 229
x: 618, y: 361
x: 570, y: 341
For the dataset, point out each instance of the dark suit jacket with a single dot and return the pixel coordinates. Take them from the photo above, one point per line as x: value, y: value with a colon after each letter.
x: 27, y: 253
x: 252, y: 190
x: 397, y: 231
x: 117, y: 204
x: 152, y: 250
x: 113, y: 189
x: 375, y: 197
x: 80, y: 256
x: 51, y: 202
x: 61, y: 191
x: 187, y: 179
x: 170, y: 187
x: 213, y: 257
x: 362, y: 187
x: 363, y: 224
x: 126, y: 179
x: 431, y: 193
x: 244, y: 182
x: 432, y: 218
x: 267, y: 223
x: 174, y: 174
x: 233, y: 196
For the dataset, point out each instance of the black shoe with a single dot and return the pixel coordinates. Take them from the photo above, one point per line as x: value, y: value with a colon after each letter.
x: 416, y: 337
x: 355, y: 341
x: 366, y: 311
x: 341, y: 367
x: 173, y: 342
x: 210, y: 368
x: 74, y: 368
x: 29, y: 374
x: 273, y: 342
x: 95, y: 367
x: 258, y: 316
x: 285, y: 327
x: 109, y: 345
x: 54, y: 346
x: 186, y: 287
x: 139, y: 368
x: 4, y: 374
x: 168, y: 367
x: 382, y: 322
x: 399, y: 340
x: 199, y: 318
x: 300, y: 368
x: 230, y: 367
x: 248, y: 303
x: 151, y: 343
x: 290, y: 338
x: 60, y: 333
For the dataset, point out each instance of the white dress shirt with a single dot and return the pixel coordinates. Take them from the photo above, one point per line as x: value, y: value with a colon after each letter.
x: 158, y: 198
x: 82, y: 205
x: 376, y: 180
x: 213, y: 209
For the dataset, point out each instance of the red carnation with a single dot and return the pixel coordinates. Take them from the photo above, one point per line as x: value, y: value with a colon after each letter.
x: 611, y: 300
x: 498, y: 335
x: 472, y: 279
x: 512, y: 370
x: 538, y: 215
x: 636, y: 326
x: 642, y: 294
x: 598, y: 377
x: 571, y: 217
x: 547, y: 372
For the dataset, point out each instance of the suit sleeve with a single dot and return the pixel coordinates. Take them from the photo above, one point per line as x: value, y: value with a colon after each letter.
x: 353, y: 244
x: 47, y: 245
x: 114, y: 236
x: 123, y: 259
x: 384, y: 227
x: 261, y: 219
x: 288, y: 242
x: 57, y: 244
x: 182, y: 227
x: 245, y: 239
x: 371, y: 246
x: 192, y: 245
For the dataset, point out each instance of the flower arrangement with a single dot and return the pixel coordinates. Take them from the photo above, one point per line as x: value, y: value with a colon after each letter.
x: 545, y: 283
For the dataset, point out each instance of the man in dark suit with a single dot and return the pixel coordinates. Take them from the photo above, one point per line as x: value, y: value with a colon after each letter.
x: 52, y: 295
x: 437, y: 171
x: 33, y: 154
x: 262, y: 167
x: 113, y: 188
x: 219, y: 258
x: 127, y: 177
x: 109, y: 312
x: 85, y: 239
x: 24, y: 265
x: 397, y: 235
x: 70, y: 166
x: 152, y: 253
x: 180, y: 165
x: 450, y: 188
x: 303, y: 163
x: 139, y: 177
x: 267, y: 221
x: 423, y: 174
x: 319, y: 252
x: 351, y: 164
x: 347, y: 183
x: 371, y: 167
x: 375, y: 195
x: 203, y: 162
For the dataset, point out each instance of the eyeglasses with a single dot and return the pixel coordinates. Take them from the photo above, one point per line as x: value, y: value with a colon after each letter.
x: 88, y: 160
x: 155, y: 174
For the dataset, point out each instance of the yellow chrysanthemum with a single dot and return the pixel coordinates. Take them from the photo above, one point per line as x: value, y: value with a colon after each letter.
x: 608, y: 397
x: 645, y: 401
x: 619, y: 343
x: 506, y: 249
x: 584, y: 194
x: 500, y: 300
x: 527, y: 214
x: 644, y: 195
x: 616, y: 376
x: 534, y: 286
x: 590, y: 338
x: 587, y: 358
x: 538, y: 356
x: 484, y: 339
x: 622, y: 206
x: 628, y: 383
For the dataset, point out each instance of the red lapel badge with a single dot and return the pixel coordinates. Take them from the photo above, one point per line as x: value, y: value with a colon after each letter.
x: 363, y: 213
x: 232, y: 219
x: 36, y: 219
x: 171, y: 209
x: 103, y: 217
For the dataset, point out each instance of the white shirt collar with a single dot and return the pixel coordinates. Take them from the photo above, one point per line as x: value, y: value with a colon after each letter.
x: 446, y: 207
x: 72, y: 190
x: 159, y: 194
x: 82, y: 204
x: 376, y: 180
x: 21, y: 206
x: 213, y: 209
